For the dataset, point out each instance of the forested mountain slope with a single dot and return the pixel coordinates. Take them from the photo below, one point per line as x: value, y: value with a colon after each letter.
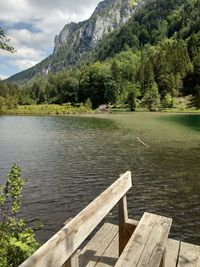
x: 76, y: 40
x: 153, y: 23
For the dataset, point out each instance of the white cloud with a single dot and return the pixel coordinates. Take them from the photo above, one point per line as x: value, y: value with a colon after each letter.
x: 38, y: 40
x: 42, y: 20
x: 12, y: 11
x: 24, y: 53
x: 2, y: 77
x: 24, y: 63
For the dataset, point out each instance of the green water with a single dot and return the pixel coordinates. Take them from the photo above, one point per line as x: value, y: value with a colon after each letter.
x: 70, y: 160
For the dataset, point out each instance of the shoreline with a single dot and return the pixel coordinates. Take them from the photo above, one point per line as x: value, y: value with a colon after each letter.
x: 45, y: 110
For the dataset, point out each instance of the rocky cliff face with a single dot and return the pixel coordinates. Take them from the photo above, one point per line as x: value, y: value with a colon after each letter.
x: 76, y: 40
x: 108, y: 15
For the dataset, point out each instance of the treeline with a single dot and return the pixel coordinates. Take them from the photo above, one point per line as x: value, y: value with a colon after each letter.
x: 149, y: 78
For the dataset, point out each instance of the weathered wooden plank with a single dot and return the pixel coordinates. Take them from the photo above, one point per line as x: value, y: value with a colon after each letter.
x: 137, y: 242
x: 73, y: 261
x: 189, y: 255
x: 147, y: 244
x: 96, y: 247
x: 110, y: 256
x: 56, y: 251
x: 126, y: 228
x: 155, y: 246
x: 172, y: 251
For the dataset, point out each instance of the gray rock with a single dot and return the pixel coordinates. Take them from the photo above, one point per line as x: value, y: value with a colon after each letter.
x: 76, y: 41
x: 108, y: 15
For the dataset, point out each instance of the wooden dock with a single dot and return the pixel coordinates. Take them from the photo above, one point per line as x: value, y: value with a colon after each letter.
x: 102, y: 250
x: 142, y: 243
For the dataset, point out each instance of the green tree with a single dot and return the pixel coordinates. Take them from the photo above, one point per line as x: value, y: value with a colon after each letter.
x: 115, y: 69
x: 16, y: 241
x: 68, y: 90
x: 151, y: 98
x: 97, y: 83
x: 2, y: 105
x: 4, y: 42
x: 88, y: 103
x: 167, y: 101
x: 177, y: 58
x: 35, y: 92
x: 146, y: 76
x: 11, y: 102
x: 133, y: 90
x: 197, y: 97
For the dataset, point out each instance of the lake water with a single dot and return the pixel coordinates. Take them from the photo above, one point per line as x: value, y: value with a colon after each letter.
x: 68, y: 161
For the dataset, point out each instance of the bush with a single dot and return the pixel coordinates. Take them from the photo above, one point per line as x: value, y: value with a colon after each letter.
x: 2, y: 105
x: 151, y: 98
x: 16, y: 241
x: 197, y: 97
x: 168, y: 101
x: 88, y: 103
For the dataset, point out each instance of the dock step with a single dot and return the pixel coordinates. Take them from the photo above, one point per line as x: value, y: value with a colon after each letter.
x: 102, y: 250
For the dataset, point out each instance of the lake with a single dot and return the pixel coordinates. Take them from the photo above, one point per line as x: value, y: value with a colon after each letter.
x: 69, y: 160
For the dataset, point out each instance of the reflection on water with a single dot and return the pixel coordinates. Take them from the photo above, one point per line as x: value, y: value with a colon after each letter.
x: 68, y: 161
x: 189, y: 120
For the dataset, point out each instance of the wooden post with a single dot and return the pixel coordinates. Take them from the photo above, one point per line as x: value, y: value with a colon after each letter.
x: 73, y: 261
x: 162, y: 263
x: 126, y: 226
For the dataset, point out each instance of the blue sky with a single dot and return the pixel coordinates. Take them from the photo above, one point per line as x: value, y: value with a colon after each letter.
x: 31, y: 25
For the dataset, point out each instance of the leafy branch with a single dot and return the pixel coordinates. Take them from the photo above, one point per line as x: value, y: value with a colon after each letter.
x: 4, y: 42
x: 16, y: 241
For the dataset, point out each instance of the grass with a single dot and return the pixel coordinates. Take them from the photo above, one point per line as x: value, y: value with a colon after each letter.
x: 176, y: 110
x: 181, y: 105
x: 49, y: 110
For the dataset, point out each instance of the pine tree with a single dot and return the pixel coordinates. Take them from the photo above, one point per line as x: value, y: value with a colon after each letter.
x: 151, y: 98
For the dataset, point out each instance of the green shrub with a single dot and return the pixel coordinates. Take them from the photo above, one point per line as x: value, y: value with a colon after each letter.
x: 16, y: 241
x: 168, y: 101
x: 197, y: 97
x: 88, y: 103
x: 2, y: 105
x: 151, y: 98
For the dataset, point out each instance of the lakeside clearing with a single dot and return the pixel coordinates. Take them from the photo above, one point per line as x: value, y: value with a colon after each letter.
x: 49, y: 110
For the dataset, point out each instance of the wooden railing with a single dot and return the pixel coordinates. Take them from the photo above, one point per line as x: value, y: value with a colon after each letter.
x: 61, y: 248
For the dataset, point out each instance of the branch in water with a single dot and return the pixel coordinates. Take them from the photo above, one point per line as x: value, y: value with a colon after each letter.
x: 142, y: 142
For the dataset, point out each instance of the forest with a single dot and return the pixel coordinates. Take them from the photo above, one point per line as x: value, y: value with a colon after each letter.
x: 148, y: 63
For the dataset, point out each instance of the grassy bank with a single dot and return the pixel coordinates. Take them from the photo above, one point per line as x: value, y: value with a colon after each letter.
x: 176, y: 110
x: 180, y: 105
x: 48, y: 110
x: 169, y: 110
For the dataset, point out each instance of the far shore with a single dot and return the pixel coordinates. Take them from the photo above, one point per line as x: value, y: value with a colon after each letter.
x: 33, y: 110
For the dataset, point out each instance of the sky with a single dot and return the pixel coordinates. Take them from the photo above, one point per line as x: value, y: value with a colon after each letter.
x: 31, y: 26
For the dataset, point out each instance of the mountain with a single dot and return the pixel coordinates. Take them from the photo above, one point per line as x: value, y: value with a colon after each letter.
x: 76, y: 40
x: 155, y: 22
